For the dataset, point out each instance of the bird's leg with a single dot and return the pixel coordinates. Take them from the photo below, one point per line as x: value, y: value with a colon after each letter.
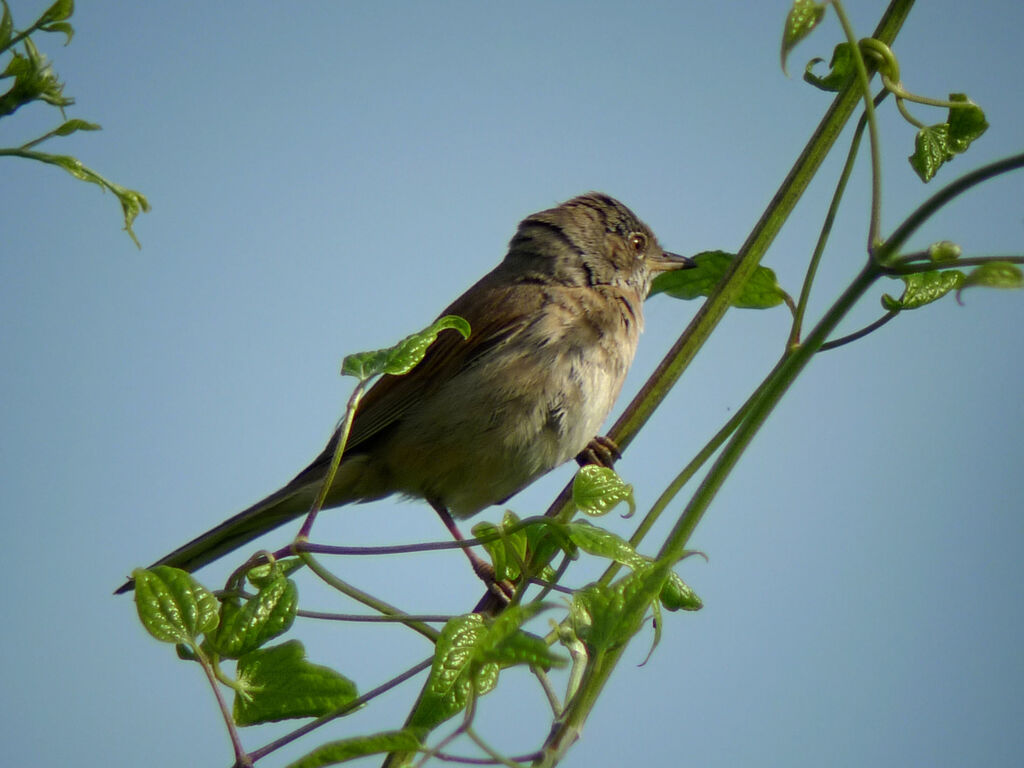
x: 503, y: 590
x: 601, y: 451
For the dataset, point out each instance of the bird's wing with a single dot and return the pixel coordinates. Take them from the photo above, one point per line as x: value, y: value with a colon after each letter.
x: 495, y: 314
x: 493, y: 318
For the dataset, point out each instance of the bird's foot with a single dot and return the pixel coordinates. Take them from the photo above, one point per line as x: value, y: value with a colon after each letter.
x: 601, y: 451
x: 503, y: 590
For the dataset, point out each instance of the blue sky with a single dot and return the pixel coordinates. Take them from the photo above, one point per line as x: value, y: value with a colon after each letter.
x: 325, y: 177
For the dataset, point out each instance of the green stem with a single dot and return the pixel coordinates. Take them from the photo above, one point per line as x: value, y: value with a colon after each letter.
x: 675, y: 545
x: 761, y: 405
x: 902, y: 107
x: 223, y: 677
x: 677, y: 484
x: 339, y: 449
x: 789, y: 193
x: 21, y: 36
x: 491, y: 752
x: 28, y: 154
x: 826, y: 227
x: 365, y: 598
x: 864, y: 86
x: 970, y: 261
x: 549, y: 690
x: 851, y: 337
x: 242, y: 759
x: 600, y: 668
x: 362, y: 618
x: 904, y: 95
x: 569, y: 726
x: 794, y: 363
x: 39, y: 140
x: 929, y: 207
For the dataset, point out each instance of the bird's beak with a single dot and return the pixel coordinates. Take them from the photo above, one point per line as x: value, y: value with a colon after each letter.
x: 668, y: 262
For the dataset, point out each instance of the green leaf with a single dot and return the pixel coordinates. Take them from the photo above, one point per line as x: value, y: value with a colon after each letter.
x: 965, y: 123
x: 244, y: 627
x: 931, y: 150
x: 505, y: 568
x: 604, y: 617
x: 454, y: 676
x: 678, y: 595
x: 544, y: 537
x: 173, y: 607
x: 639, y: 591
x: 598, y: 541
x: 657, y: 622
x: 469, y: 654
x: 6, y: 26
x: 508, y: 550
x: 262, y: 575
x: 803, y: 17
x: 841, y: 70
x: 994, y: 274
x: 534, y: 543
x: 405, y: 355
x: 944, y: 250
x: 34, y: 80
x: 923, y: 288
x: 598, y: 490
x: 675, y: 595
x: 61, y: 26
x: 132, y: 203
x: 59, y: 11
x: 938, y: 144
x: 73, y: 166
x: 524, y: 648
x: 506, y: 644
x: 280, y: 684
x: 762, y: 290
x: 70, y: 126
x: 592, y: 615
x: 335, y: 752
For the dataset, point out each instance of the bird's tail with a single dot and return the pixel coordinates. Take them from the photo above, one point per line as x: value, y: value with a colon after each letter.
x: 290, y: 502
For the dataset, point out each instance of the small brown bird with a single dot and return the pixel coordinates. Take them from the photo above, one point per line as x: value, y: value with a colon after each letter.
x: 554, y: 330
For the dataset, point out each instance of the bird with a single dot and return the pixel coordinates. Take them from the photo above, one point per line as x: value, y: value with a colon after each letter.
x: 554, y: 329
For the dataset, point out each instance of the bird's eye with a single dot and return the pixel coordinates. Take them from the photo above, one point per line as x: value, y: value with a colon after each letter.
x: 638, y: 240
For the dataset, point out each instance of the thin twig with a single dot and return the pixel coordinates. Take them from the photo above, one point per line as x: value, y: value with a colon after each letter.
x: 858, y: 334
x: 365, y: 598
x: 242, y: 759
